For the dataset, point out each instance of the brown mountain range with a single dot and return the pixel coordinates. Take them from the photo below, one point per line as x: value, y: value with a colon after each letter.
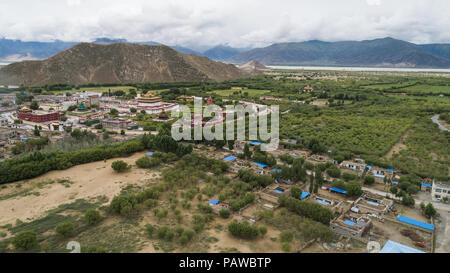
x: 117, y: 63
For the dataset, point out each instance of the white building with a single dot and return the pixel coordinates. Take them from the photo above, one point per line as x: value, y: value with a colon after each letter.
x: 440, y: 190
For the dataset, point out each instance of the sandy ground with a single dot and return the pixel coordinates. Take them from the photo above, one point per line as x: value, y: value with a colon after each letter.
x: 443, y: 235
x: 89, y: 180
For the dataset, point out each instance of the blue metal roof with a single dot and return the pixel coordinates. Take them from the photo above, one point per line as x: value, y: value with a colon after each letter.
x: 390, y: 170
x: 149, y: 154
x: 368, y: 166
x: 427, y: 185
x: 230, y: 158
x: 304, y: 195
x: 373, y: 203
x: 395, y: 182
x: 261, y: 165
x: 338, y: 190
x: 349, y: 223
x: 325, y: 203
x: 416, y: 223
x: 24, y: 138
x: 255, y: 143
x: 394, y: 247
x: 277, y: 191
x: 276, y: 171
x: 214, y: 202
x: 378, y: 175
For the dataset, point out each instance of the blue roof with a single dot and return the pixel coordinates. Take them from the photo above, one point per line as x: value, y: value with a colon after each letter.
x: 261, y: 165
x: 427, y: 185
x: 394, y: 247
x: 369, y: 166
x: 390, y: 170
x: 277, y: 191
x: 350, y: 223
x: 276, y: 170
x: 149, y: 154
x: 325, y: 203
x: 378, y: 175
x: 373, y: 203
x: 395, y: 182
x: 214, y: 202
x: 24, y: 138
x: 255, y: 143
x: 304, y: 195
x: 230, y: 158
x: 416, y: 223
x: 338, y: 190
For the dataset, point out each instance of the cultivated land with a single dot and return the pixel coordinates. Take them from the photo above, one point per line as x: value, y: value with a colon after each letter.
x: 384, y: 118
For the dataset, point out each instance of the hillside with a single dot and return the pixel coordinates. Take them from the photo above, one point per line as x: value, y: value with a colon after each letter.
x: 253, y: 67
x: 379, y: 52
x: 117, y: 63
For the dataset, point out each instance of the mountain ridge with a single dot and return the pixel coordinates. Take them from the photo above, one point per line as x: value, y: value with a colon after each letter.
x: 378, y: 52
x: 117, y: 63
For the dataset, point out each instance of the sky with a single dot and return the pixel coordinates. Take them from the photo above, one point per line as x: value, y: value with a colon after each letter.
x: 200, y: 24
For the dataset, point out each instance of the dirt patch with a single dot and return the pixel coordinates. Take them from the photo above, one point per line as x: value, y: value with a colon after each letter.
x: 89, y: 180
x: 398, y: 146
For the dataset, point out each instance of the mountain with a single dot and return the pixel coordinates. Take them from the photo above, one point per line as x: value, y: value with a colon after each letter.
x: 16, y: 50
x: 117, y: 63
x: 387, y: 52
x: 253, y: 67
x: 222, y: 52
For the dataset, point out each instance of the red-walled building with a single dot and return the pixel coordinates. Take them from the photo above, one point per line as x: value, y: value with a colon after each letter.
x: 38, y: 116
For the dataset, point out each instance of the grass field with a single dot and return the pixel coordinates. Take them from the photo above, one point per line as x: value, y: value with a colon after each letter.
x: 96, y: 89
x: 427, y: 89
x: 251, y: 92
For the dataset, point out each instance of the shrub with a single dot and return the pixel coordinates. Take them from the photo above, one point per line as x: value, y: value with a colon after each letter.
x: 263, y: 231
x: 243, y: 230
x: 286, y: 247
x: 147, y: 162
x: 286, y: 236
x: 95, y: 249
x: 120, y: 166
x: 25, y: 240
x: 65, y: 229
x: 149, y: 229
x: 349, y: 177
x: 92, y: 216
x: 225, y: 213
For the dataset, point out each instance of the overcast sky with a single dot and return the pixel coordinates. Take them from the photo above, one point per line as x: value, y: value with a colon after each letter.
x: 238, y: 23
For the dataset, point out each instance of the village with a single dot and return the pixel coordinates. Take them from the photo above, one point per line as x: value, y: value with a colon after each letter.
x: 373, y: 214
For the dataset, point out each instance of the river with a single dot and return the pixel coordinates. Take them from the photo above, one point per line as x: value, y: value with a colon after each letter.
x: 435, y: 119
x: 368, y: 69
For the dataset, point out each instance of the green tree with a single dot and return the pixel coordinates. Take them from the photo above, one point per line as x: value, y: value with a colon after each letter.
x: 34, y: 105
x: 430, y: 211
x: 25, y: 240
x: 65, y: 229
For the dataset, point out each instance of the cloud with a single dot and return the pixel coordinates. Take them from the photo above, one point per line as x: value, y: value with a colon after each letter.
x: 239, y: 23
x: 373, y: 2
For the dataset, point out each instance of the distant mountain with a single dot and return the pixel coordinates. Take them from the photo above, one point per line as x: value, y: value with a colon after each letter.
x: 186, y: 50
x: 387, y: 52
x: 107, y: 41
x: 117, y: 63
x: 222, y: 52
x: 16, y: 50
